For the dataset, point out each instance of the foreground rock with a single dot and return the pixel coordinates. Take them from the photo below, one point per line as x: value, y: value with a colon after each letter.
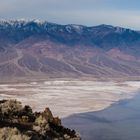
x: 20, y: 123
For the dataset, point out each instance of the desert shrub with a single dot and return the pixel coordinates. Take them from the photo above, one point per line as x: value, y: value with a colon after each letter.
x: 12, y: 134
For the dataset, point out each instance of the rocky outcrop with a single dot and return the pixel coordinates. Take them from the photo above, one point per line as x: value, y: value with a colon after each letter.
x: 21, y: 123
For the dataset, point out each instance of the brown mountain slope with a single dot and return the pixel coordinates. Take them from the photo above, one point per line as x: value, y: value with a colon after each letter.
x: 41, y: 57
x: 42, y: 49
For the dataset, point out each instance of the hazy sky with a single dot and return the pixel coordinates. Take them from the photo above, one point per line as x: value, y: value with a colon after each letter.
x: 124, y: 13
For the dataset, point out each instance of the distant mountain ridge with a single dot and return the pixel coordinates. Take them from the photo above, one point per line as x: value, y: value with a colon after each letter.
x: 33, y: 48
x: 103, y: 36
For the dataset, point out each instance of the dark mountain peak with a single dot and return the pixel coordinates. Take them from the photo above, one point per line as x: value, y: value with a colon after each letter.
x: 71, y: 34
x: 110, y: 28
x: 21, y: 23
x: 104, y: 26
x: 44, y: 25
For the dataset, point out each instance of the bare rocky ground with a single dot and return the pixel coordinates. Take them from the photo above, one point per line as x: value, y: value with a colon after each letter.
x: 66, y: 97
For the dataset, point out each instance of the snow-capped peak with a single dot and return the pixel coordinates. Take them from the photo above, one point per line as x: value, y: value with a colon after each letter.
x: 119, y: 30
x: 76, y: 28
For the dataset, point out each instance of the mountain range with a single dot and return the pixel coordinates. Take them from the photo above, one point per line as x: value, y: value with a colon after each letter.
x: 44, y: 49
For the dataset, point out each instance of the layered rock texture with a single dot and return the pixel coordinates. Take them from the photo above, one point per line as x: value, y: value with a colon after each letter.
x: 43, y: 49
x: 20, y: 123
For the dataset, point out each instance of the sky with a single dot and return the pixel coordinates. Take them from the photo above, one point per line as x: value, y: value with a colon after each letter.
x: 124, y: 13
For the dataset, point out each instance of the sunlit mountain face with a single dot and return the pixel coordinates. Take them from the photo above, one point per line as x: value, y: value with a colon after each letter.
x: 33, y: 48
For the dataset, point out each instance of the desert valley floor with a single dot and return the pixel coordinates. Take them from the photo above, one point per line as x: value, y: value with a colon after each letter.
x: 67, y: 97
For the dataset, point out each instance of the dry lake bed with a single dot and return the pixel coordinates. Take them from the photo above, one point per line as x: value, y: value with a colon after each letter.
x: 66, y: 97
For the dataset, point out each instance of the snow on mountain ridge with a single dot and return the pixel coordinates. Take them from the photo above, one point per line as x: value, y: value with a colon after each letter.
x: 39, y: 26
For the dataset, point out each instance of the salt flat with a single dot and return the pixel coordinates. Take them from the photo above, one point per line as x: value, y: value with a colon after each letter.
x: 66, y: 97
